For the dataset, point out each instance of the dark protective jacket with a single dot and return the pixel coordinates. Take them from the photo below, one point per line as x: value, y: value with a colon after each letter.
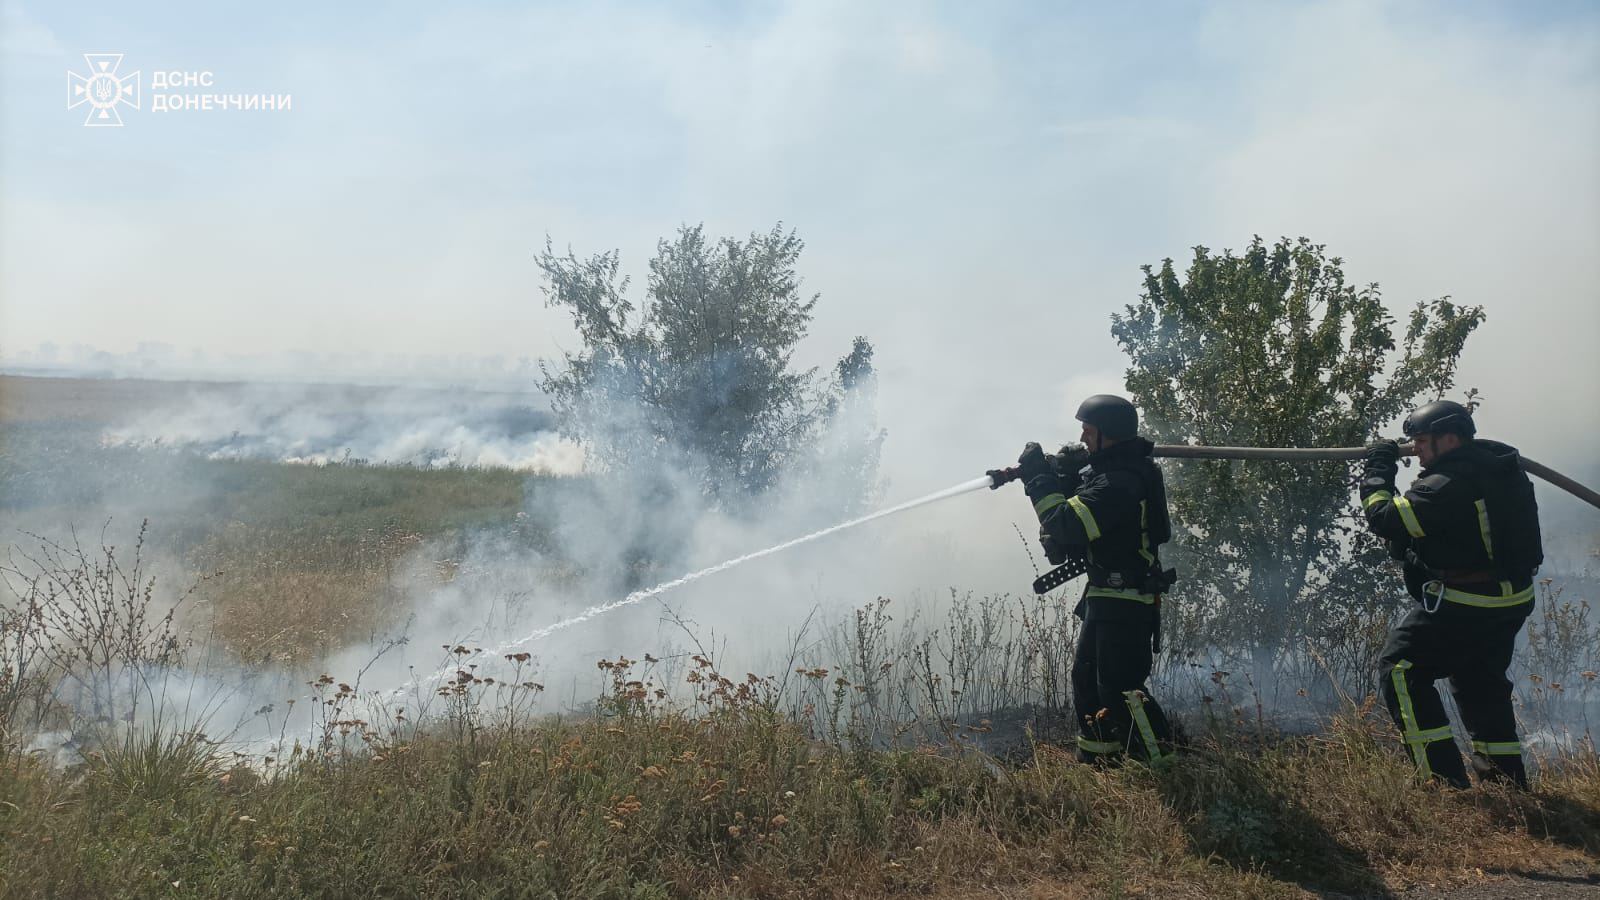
x: 1468, y: 528
x: 1114, y: 513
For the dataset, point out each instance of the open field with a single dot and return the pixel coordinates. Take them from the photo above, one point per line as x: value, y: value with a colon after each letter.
x: 107, y: 401
x: 296, y: 559
x: 722, y: 784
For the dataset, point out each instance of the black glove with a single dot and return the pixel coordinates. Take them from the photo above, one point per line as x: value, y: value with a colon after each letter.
x: 1382, y: 464
x: 1383, y: 449
x: 1069, y: 462
x: 1033, y: 462
x: 1071, y: 458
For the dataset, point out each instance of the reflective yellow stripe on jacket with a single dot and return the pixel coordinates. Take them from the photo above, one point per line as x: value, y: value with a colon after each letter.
x: 1091, y: 528
x: 1409, y: 517
x: 1144, y: 533
x: 1119, y: 593
x: 1483, y: 528
x: 1507, y: 597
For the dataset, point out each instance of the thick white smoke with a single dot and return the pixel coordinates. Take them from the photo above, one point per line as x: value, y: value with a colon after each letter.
x: 330, y: 424
x: 502, y: 588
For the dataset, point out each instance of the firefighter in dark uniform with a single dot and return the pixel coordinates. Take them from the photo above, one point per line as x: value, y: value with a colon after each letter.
x: 1106, y: 503
x: 1468, y: 534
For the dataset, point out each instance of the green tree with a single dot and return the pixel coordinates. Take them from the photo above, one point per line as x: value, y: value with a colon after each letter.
x: 699, y: 378
x: 1273, y: 348
x: 850, y: 442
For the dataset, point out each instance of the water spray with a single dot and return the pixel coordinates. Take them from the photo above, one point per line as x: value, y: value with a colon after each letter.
x: 645, y: 594
x: 976, y: 484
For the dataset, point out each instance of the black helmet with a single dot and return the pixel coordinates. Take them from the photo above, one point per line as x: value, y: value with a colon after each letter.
x: 1115, y: 417
x: 1440, y: 417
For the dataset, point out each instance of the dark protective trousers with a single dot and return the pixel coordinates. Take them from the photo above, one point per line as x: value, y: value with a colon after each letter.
x: 1472, y: 648
x: 1116, y: 714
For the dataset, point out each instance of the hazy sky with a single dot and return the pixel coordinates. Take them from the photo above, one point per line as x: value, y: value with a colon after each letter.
x: 977, y: 184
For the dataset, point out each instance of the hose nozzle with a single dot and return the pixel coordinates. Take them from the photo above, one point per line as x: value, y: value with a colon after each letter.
x: 998, y: 477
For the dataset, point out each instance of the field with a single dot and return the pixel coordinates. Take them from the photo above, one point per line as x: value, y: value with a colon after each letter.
x: 673, y: 777
x: 291, y: 560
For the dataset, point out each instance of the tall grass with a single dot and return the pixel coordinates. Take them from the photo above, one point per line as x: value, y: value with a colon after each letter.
x: 645, y: 799
x: 902, y: 750
x: 693, y: 781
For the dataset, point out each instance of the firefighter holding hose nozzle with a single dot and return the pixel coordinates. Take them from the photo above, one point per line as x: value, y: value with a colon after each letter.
x: 1106, y: 503
x: 1467, y: 532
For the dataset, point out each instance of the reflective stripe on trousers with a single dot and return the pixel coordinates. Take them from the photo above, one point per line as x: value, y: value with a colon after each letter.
x: 1098, y: 747
x: 1142, y: 722
x: 1416, y: 737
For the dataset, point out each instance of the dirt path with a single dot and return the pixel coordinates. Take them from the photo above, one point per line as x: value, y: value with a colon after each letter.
x: 1566, y: 885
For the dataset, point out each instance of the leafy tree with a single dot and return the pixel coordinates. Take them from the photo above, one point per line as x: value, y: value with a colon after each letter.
x: 699, y: 378
x: 1273, y: 348
x: 851, y: 441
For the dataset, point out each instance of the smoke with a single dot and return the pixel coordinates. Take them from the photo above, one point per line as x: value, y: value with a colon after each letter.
x: 609, y: 535
x: 330, y: 424
x: 987, y: 330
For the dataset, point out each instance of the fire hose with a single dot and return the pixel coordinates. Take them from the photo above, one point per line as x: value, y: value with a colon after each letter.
x: 1315, y: 454
x: 1073, y: 568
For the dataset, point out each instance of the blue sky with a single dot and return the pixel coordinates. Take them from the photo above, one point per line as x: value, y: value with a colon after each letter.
x: 977, y: 183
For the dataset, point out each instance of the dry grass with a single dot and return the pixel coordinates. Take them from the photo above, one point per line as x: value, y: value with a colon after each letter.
x: 721, y: 795
x: 292, y: 605
x: 29, y: 399
x: 644, y: 799
x: 297, y: 560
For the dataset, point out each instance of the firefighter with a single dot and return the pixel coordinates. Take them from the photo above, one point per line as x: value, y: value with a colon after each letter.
x: 1468, y: 534
x: 1105, y: 502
